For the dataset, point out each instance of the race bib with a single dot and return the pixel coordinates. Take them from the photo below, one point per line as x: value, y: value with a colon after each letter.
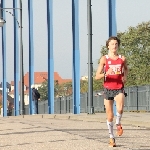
x: 116, y: 69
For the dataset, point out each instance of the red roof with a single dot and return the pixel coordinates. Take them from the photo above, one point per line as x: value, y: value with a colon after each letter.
x: 40, y: 77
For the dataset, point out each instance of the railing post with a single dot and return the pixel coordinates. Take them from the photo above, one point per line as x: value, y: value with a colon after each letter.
x: 137, y: 99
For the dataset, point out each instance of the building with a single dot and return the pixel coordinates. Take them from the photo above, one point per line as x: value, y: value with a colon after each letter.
x: 8, y: 87
x: 39, y: 78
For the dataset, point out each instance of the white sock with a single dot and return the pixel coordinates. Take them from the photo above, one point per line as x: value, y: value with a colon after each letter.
x: 110, y: 128
x: 118, y: 118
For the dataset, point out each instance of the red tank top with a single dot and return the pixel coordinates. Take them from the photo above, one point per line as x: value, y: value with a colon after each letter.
x: 114, y: 80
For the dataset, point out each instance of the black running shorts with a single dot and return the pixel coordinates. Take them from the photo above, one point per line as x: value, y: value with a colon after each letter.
x: 110, y: 94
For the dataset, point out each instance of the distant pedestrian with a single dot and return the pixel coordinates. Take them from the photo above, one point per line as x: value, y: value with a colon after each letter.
x: 35, y: 98
x: 115, y: 75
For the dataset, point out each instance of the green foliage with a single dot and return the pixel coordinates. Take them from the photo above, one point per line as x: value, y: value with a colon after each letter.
x: 135, y: 46
x: 43, y: 90
x: 97, y: 85
x: 64, y: 89
x: 83, y: 86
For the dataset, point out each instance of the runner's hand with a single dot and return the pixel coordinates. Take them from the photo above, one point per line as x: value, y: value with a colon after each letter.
x: 110, y: 70
x: 124, y: 79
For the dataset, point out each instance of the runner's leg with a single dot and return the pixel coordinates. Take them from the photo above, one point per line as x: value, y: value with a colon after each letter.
x: 119, y: 105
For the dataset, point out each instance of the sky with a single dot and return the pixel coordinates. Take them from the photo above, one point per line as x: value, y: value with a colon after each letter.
x: 128, y: 13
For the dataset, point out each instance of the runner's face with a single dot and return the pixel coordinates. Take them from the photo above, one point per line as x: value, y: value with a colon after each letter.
x: 113, y: 46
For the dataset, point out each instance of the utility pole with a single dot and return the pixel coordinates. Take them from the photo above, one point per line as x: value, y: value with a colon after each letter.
x: 90, y: 64
x: 21, y: 66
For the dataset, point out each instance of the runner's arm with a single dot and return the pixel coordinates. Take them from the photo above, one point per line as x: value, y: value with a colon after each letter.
x: 124, y: 78
x: 125, y: 68
x: 99, y: 72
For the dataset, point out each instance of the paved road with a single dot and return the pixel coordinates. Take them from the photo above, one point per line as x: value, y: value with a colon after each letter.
x: 71, y: 132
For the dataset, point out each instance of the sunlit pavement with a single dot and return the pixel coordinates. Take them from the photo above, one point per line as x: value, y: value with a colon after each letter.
x: 72, y: 132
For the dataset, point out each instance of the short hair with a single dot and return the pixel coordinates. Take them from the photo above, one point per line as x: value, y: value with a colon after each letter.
x: 112, y: 38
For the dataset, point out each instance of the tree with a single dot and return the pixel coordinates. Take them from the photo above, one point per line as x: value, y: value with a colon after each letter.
x: 135, y: 45
x: 97, y: 85
x: 83, y: 86
x: 43, y: 90
x: 63, y: 89
x: 10, y: 101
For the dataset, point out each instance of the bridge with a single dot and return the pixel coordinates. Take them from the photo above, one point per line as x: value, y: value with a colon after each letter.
x: 19, y: 71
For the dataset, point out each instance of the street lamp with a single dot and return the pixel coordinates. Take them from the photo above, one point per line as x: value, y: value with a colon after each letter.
x: 90, y: 64
x: 2, y: 22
